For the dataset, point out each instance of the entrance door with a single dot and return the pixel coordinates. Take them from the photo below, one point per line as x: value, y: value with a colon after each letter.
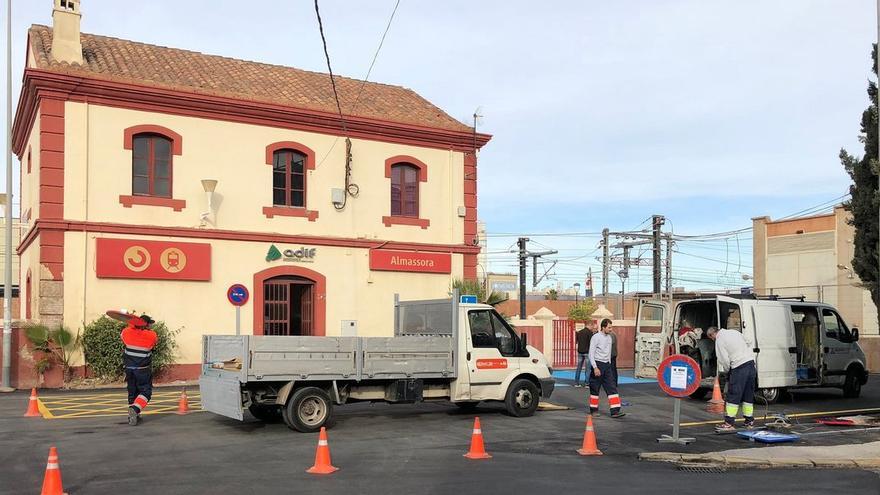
x: 288, y: 307
x: 653, y: 330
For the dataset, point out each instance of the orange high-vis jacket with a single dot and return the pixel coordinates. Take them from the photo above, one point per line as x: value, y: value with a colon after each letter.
x: 138, y: 347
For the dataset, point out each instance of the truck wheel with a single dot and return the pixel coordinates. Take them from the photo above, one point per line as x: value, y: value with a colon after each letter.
x: 852, y: 386
x: 522, y: 398
x: 307, y: 410
x: 268, y: 414
x: 700, y: 393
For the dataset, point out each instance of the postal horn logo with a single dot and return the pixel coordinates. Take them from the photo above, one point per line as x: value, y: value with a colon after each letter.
x: 274, y: 254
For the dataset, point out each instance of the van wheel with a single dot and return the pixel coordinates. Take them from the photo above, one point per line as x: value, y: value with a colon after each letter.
x: 852, y: 386
x: 771, y: 395
x: 700, y: 393
x: 308, y: 410
x: 522, y: 398
x: 267, y: 414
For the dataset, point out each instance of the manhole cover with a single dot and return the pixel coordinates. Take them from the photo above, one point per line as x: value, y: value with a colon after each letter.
x: 702, y: 468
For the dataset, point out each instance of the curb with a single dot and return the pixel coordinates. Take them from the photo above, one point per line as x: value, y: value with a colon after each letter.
x: 750, y: 463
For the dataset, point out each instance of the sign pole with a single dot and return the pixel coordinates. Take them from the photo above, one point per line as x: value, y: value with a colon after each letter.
x: 676, y: 427
x: 237, y: 321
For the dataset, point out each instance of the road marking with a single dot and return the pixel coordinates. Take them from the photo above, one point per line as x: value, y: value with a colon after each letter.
x: 846, y: 430
x: 547, y: 406
x: 110, y: 404
x: 796, y: 415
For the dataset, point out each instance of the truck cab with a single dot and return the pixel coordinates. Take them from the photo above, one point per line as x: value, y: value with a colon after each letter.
x: 796, y: 343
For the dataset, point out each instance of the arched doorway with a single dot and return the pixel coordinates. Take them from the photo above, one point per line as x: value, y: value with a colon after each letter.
x: 289, y: 300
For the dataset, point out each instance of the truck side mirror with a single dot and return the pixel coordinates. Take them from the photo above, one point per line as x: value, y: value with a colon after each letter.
x: 524, y: 337
x: 855, y: 334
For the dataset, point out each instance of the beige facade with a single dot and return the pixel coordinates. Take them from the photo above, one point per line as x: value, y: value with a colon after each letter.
x: 812, y: 257
x: 77, y: 189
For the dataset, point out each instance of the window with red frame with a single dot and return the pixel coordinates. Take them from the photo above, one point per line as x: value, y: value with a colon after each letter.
x: 404, y: 190
x: 151, y: 166
x: 289, y: 178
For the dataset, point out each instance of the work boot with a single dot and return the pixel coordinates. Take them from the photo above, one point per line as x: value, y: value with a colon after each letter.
x: 750, y: 423
x: 725, y: 428
x: 133, y: 416
x: 618, y: 414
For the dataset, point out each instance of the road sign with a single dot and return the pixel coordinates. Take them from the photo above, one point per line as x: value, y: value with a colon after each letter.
x: 468, y: 300
x: 238, y: 295
x: 679, y: 376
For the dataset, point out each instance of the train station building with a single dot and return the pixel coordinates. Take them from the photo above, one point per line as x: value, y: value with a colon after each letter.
x: 154, y: 178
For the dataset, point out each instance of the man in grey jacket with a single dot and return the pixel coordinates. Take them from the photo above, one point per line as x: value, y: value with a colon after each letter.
x: 735, y: 355
x: 603, y: 373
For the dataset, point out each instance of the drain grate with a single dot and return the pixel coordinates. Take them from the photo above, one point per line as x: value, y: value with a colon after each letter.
x: 702, y: 468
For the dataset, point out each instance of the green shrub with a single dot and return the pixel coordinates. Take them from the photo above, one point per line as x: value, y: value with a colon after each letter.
x: 102, y: 347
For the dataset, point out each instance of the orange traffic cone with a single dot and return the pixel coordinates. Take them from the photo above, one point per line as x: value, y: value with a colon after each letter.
x: 716, y: 403
x: 33, y: 409
x: 478, y: 450
x: 52, y: 479
x: 322, y: 456
x: 589, y: 446
x: 183, y: 404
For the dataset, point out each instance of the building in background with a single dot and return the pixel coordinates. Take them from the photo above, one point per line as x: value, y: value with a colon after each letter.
x: 812, y: 257
x: 154, y: 178
x: 506, y: 283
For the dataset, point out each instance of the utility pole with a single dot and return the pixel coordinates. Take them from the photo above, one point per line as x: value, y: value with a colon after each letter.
x: 606, y: 262
x: 521, y: 242
x: 624, y: 274
x: 657, y: 222
x: 877, y: 61
x: 7, y: 261
x: 669, y: 266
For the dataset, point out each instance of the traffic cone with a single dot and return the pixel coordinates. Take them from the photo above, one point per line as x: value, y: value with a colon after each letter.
x: 322, y: 456
x: 183, y: 404
x: 478, y: 450
x: 52, y: 479
x: 716, y: 403
x: 589, y: 446
x: 33, y: 409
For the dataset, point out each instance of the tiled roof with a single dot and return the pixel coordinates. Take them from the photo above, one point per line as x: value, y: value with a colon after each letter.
x: 128, y: 61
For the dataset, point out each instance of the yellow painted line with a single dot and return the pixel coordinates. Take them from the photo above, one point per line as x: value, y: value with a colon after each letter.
x: 797, y: 415
x: 47, y: 414
x: 547, y: 406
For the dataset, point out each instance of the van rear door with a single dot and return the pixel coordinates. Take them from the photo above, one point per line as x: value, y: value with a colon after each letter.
x: 773, y: 339
x: 653, y: 329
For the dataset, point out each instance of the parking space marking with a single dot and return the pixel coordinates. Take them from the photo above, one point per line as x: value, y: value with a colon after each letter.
x: 110, y: 404
x: 795, y: 415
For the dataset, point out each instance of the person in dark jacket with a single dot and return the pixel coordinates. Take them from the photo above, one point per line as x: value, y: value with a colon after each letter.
x: 614, y: 355
x: 583, y: 349
x: 139, y: 341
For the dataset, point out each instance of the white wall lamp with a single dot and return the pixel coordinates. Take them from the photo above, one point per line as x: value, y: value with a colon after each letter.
x: 208, y: 185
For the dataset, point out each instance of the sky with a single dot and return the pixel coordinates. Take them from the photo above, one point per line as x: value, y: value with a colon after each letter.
x: 708, y: 112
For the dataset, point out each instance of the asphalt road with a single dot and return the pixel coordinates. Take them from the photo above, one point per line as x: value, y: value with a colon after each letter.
x: 410, y: 449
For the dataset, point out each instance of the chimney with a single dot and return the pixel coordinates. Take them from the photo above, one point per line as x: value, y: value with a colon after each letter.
x: 66, y: 44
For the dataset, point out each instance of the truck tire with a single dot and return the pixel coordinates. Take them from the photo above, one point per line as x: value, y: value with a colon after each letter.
x: 267, y: 414
x: 522, y: 398
x: 852, y: 385
x: 700, y: 393
x: 771, y: 395
x: 307, y: 410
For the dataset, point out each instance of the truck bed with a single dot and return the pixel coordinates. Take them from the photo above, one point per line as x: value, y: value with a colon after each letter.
x: 284, y: 358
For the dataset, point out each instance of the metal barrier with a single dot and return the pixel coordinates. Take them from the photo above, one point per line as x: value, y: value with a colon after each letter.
x: 564, y: 345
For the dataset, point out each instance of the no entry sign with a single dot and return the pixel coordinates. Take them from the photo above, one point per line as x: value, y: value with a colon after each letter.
x: 679, y: 375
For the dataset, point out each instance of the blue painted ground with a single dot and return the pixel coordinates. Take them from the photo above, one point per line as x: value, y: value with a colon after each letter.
x: 625, y: 378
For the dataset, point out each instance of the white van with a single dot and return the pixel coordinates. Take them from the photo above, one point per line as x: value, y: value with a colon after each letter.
x: 796, y: 343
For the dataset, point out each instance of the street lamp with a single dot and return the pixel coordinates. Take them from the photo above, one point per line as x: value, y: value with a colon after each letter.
x: 577, y: 290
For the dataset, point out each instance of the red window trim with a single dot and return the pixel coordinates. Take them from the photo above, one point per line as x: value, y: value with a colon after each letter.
x: 151, y: 167
x: 175, y: 138
x: 418, y: 222
x: 423, y: 169
x: 289, y: 211
x: 390, y: 220
x: 319, y: 308
x: 292, y: 211
x: 129, y: 200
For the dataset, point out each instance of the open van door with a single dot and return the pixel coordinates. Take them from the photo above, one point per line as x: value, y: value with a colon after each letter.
x: 770, y: 330
x: 653, y: 329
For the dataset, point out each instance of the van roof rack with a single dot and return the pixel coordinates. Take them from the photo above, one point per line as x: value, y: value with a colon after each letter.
x: 768, y: 297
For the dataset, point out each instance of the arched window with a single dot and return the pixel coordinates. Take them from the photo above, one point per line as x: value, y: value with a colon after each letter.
x: 289, y: 178
x: 404, y: 190
x: 151, y: 167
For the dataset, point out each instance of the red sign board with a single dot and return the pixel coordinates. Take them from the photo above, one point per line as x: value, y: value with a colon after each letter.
x: 157, y: 260
x: 491, y: 364
x: 410, y: 261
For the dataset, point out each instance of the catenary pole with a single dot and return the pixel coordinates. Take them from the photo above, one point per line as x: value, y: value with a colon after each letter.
x: 877, y: 114
x: 7, y: 259
x: 522, y: 276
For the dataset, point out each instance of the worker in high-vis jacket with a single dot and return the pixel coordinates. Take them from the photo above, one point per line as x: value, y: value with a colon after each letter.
x: 139, y: 341
x: 603, y: 375
x: 735, y: 357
